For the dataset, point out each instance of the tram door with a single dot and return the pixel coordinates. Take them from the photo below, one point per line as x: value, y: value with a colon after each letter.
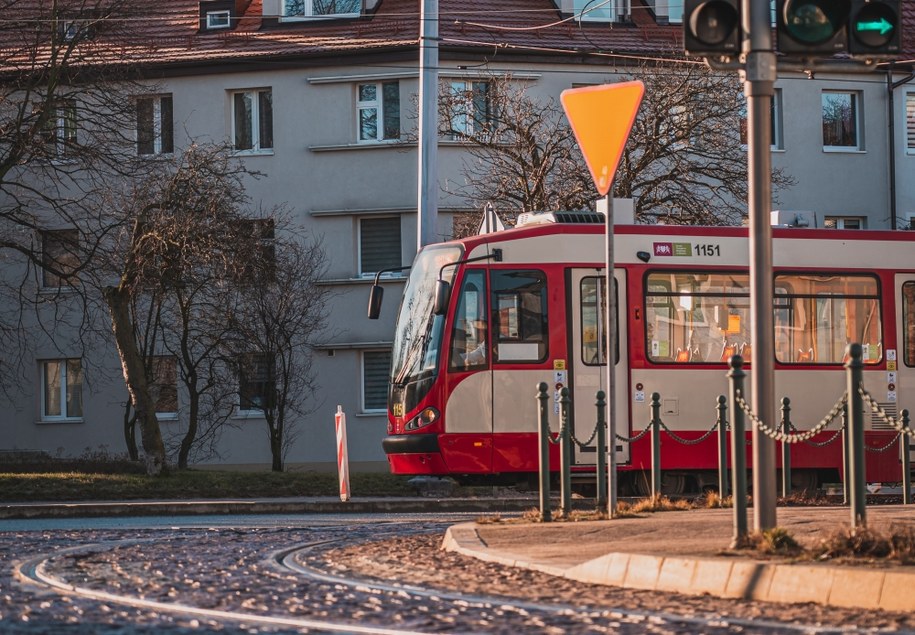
x: 587, y: 375
x: 900, y: 364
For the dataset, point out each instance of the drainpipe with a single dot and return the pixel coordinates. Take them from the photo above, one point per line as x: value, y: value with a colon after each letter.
x: 891, y: 87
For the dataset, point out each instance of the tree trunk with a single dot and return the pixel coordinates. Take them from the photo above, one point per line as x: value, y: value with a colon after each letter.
x: 187, y: 441
x: 130, y: 433
x: 135, y: 378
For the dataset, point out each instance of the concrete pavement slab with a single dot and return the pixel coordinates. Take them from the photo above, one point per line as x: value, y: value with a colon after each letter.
x: 688, y: 552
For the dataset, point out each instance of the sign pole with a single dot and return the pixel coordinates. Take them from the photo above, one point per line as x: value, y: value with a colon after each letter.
x: 611, y: 332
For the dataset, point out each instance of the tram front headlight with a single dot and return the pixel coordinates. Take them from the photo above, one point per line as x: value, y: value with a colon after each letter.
x: 426, y: 417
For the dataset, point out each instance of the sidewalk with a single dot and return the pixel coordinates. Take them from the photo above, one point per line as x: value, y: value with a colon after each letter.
x: 687, y: 552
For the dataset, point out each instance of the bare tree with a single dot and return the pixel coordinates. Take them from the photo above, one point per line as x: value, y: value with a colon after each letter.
x: 277, y: 320
x: 684, y: 162
x: 66, y: 113
x: 183, y: 248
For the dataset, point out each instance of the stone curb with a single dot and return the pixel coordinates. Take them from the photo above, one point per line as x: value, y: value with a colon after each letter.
x: 849, y: 587
x: 12, y: 511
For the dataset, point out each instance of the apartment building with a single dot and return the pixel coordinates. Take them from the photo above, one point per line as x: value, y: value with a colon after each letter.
x: 319, y: 96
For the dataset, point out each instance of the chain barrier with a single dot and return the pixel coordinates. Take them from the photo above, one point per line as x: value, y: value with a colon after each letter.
x: 635, y: 438
x: 892, y: 421
x: 778, y: 435
x: 822, y: 444
x: 556, y: 437
x: 583, y: 444
x: 885, y: 447
x: 676, y: 437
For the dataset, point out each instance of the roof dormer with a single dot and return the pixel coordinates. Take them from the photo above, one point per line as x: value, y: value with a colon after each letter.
x: 220, y: 15
x: 316, y: 10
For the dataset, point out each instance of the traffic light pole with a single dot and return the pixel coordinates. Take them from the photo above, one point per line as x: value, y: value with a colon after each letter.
x: 759, y: 80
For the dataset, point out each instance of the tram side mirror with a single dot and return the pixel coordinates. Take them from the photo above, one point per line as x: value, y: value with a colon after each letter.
x: 375, y: 296
x: 442, y: 294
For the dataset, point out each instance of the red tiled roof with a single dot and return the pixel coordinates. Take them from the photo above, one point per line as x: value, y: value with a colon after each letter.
x: 170, y: 35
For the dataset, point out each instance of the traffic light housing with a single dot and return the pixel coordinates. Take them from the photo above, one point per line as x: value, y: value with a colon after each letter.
x: 812, y: 27
x: 874, y: 27
x: 711, y: 27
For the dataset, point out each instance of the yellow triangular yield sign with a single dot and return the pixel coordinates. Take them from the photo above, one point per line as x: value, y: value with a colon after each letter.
x: 601, y: 118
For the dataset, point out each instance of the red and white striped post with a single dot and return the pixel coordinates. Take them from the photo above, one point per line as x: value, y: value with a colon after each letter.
x: 342, y: 457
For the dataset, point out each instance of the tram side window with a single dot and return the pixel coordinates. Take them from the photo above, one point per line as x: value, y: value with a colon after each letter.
x: 816, y: 317
x: 519, y: 316
x: 468, y: 341
x: 697, y: 317
x: 908, y: 323
x: 593, y: 312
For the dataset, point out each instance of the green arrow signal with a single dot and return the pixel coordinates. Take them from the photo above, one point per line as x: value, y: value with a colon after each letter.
x: 882, y: 25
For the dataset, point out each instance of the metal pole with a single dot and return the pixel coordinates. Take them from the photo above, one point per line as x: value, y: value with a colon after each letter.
x: 565, y: 454
x: 655, y: 445
x: 611, y: 331
x: 786, y: 448
x: 906, y: 461
x: 427, y: 203
x: 845, y: 468
x: 543, y: 437
x: 601, y: 404
x: 759, y: 88
x: 857, y: 482
x: 738, y: 451
x: 722, y: 409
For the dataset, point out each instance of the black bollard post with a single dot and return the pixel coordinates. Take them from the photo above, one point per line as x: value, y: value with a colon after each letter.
x: 601, y: 404
x: 738, y: 451
x: 786, y: 448
x: 655, y: 445
x: 543, y: 437
x: 857, y: 481
x: 906, y: 461
x: 565, y: 454
x: 722, y: 409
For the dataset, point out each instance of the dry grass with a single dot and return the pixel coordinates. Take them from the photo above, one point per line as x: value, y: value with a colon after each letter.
x: 897, y: 543
x: 775, y: 542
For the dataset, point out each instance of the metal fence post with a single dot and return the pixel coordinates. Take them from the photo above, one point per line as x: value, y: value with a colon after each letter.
x: 543, y: 437
x: 738, y: 450
x: 786, y: 448
x: 565, y: 453
x: 845, y: 468
x: 655, y: 445
x: 601, y: 404
x: 857, y: 488
x: 906, y: 461
x: 722, y: 409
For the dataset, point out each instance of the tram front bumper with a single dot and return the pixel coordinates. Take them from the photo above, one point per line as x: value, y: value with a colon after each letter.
x: 414, y: 454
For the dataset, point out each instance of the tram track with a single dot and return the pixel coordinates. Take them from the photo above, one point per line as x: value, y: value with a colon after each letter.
x: 441, y: 610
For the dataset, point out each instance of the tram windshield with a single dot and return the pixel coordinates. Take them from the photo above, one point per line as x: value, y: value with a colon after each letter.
x: 418, y: 333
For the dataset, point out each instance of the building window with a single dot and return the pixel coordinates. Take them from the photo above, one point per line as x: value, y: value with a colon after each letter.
x: 378, y: 107
x: 775, y: 120
x: 376, y: 368
x: 59, y: 131
x: 910, y: 123
x: 321, y: 8
x: 470, y: 107
x: 256, y: 382
x: 155, y: 129
x: 260, y: 264
x: 844, y: 222
x: 252, y: 120
x: 219, y: 19
x: 379, y: 244
x: 61, y: 389
x: 59, y: 257
x: 841, y: 121
x: 164, y: 384
x: 594, y: 10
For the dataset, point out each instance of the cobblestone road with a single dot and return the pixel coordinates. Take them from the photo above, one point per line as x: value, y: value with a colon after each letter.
x: 235, y: 569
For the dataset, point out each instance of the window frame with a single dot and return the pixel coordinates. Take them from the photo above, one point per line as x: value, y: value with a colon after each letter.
x: 382, y: 107
x: 777, y: 143
x: 840, y: 222
x: 469, y: 111
x: 170, y: 382
x: 514, y: 331
x: 363, y: 383
x: 247, y: 360
x: 907, y: 304
x: 61, y: 129
x: 50, y: 279
x: 308, y: 12
x: 610, y: 6
x: 64, y: 390
x: 857, y: 121
x: 255, y: 120
x: 909, y: 131
x: 162, y: 134
x: 396, y: 260
x: 211, y: 19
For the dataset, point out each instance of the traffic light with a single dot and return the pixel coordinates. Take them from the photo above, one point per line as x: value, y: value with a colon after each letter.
x: 812, y: 27
x: 711, y: 27
x: 874, y: 27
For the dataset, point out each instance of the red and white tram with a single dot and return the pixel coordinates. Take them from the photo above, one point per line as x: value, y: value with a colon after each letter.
x: 525, y: 306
